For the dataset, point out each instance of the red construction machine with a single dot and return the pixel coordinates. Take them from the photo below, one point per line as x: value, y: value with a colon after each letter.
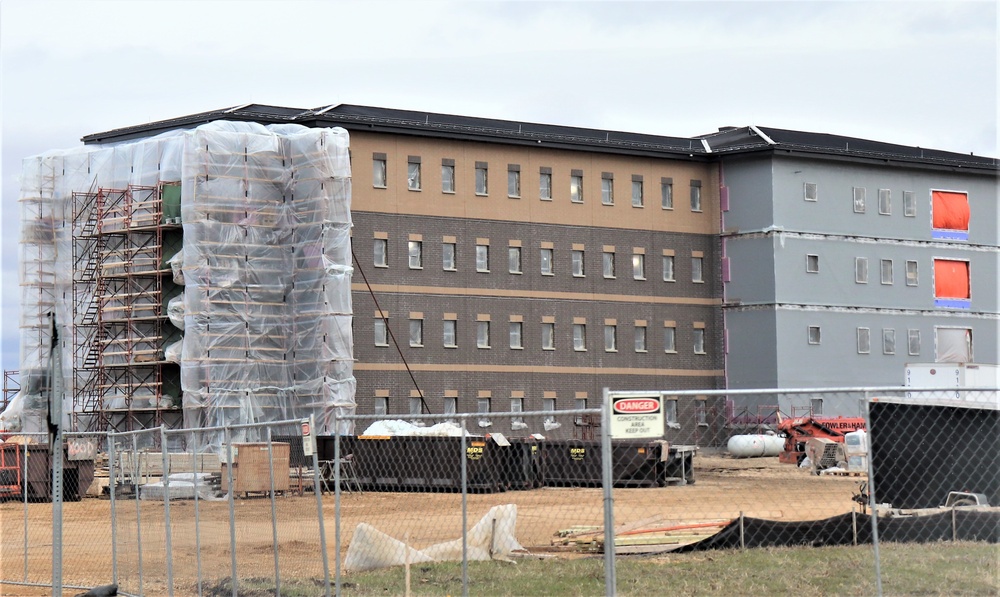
x: 799, y: 430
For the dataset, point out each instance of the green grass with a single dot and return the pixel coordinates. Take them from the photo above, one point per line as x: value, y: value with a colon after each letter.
x: 907, y: 569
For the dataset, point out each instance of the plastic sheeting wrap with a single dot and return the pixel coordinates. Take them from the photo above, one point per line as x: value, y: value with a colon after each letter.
x: 265, y: 264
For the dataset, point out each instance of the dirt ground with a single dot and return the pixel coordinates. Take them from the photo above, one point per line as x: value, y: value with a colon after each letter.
x: 724, y: 488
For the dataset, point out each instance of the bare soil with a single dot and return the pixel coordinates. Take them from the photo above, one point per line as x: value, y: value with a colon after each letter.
x: 724, y: 488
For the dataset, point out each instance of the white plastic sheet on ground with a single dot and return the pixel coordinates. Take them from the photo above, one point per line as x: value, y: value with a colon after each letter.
x: 492, y: 538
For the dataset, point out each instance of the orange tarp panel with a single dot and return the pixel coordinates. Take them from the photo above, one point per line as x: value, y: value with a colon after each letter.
x: 951, y: 210
x: 951, y: 279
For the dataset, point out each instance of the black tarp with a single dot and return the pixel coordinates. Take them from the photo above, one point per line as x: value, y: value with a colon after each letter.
x: 848, y: 529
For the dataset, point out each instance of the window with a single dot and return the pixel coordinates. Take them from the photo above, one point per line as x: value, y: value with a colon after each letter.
x: 415, y: 252
x: 859, y: 200
x: 416, y: 405
x: 911, y: 273
x: 608, y: 188
x: 640, y: 338
x: 576, y: 186
x: 701, y: 414
x: 813, y: 335
x: 697, y: 270
x: 579, y: 336
x: 481, y: 178
x: 609, y: 264
x: 884, y: 202
x: 517, y: 406
x: 447, y: 175
x: 546, y: 262
x: 953, y: 345
x: 413, y: 173
x: 913, y: 342
x: 888, y: 341
x: 381, y: 332
x: 812, y: 264
x: 887, y: 271
x: 579, y: 404
x: 514, y: 260
x: 699, y: 341
x: 816, y: 406
x: 378, y: 170
x: 810, y: 192
x: 545, y: 184
x: 864, y: 340
x: 483, y: 408
x: 950, y: 215
x: 548, y: 336
x: 482, y: 334
x: 637, y: 199
x: 516, y: 330
x: 482, y: 258
x: 381, y: 405
x: 861, y: 270
x: 610, y: 338
x: 549, y: 405
x: 668, y: 268
x: 450, y: 334
x: 695, y: 195
x: 669, y: 339
x: 416, y: 332
x: 576, y: 257
x: 448, y: 256
x: 670, y: 411
x: 667, y: 193
x: 450, y: 405
x: 909, y: 204
x: 381, y: 250
x: 952, y: 284
x: 513, y: 180
x: 638, y: 266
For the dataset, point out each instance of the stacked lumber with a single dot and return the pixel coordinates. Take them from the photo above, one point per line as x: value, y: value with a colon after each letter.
x: 635, y: 538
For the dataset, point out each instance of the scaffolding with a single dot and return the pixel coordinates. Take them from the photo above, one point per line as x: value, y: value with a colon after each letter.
x: 122, y: 241
x: 11, y: 387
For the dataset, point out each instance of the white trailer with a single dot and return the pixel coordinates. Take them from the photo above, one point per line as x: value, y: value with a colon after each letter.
x: 962, y: 376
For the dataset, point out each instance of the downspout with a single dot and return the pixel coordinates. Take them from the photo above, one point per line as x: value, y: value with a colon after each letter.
x: 722, y: 238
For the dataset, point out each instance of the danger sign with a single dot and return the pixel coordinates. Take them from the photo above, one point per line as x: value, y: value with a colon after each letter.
x: 308, y: 439
x: 636, y: 417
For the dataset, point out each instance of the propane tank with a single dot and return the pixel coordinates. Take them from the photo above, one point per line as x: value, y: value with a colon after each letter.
x: 752, y: 446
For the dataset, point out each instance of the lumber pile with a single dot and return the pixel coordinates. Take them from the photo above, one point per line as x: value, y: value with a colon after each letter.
x: 635, y: 538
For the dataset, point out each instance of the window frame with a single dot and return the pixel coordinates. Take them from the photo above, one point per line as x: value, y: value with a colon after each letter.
x: 519, y: 326
x: 608, y: 263
x: 610, y: 337
x: 913, y: 280
x: 640, y: 334
x: 670, y: 339
x: 548, y: 335
x: 812, y: 263
x: 885, y: 202
x: 667, y: 193
x: 384, y: 243
x: 576, y: 186
x: 380, y: 328
x: 548, y: 270
x: 453, y: 324
x: 380, y: 406
x: 861, y: 270
x: 909, y: 204
x: 638, y: 266
x: 888, y: 341
x: 514, y: 264
x: 886, y: 274
x: 482, y: 179
x: 812, y: 196
x: 513, y: 181
x: 447, y: 248
x: 380, y: 171
x: 482, y: 258
x: 448, y: 176
x: 698, y: 341
x: 669, y: 269
x: 638, y: 192
x: 416, y: 336
x: 913, y: 334
x: 413, y: 174
x: 696, y: 204
x: 865, y: 334
x: 483, y: 334
x: 814, y: 335
x: 860, y: 198
x: 544, y: 190
x: 580, y: 337
x: 607, y: 188
x: 698, y: 270
x: 577, y: 263
x: 415, y: 401
x: 415, y: 254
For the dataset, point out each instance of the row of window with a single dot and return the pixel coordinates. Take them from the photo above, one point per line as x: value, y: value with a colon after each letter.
x: 485, y: 405
x: 864, y: 340
x: 952, y: 286
x: 414, y: 182
x: 950, y: 209
x: 578, y: 266
x: 515, y: 334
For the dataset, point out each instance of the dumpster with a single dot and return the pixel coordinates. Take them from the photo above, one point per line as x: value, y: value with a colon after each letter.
x: 36, y: 471
x: 637, y: 463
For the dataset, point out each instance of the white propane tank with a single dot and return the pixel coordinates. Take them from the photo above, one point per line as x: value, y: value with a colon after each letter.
x: 752, y: 446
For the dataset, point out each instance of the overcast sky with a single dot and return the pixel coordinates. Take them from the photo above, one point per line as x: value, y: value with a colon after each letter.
x: 920, y: 73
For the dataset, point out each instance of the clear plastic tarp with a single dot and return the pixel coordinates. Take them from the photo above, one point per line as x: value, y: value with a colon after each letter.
x: 257, y: 294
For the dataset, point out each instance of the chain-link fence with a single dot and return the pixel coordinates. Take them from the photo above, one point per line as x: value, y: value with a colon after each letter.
x: 261, y: 508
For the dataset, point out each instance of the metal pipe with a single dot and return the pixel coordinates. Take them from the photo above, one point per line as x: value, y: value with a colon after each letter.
x: 232, y: 512
x: 165, y: 457
x: 465, y: 514
x: 610, y: 579
x: 871, y: 497
x: 274, y: 513
x: 319, y: 508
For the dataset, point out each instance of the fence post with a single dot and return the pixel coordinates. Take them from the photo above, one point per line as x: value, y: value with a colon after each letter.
x: 24, y: 492
x: 112, y: 481
x: 232, y: 510
x: 138, y: 514
x: 317, y: 490
x: 197, y: 514
x: 465, y: 515
x: 610, y: 580
x: 274, y: 510
x: 872, y: 501
x: 165, y: 457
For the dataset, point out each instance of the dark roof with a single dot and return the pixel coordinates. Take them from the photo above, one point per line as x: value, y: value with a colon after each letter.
x: 728, y: 141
